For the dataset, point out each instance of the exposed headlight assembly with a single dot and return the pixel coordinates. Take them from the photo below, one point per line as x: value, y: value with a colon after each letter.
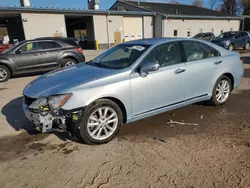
x: 50, y: 103
x: 58, y: 101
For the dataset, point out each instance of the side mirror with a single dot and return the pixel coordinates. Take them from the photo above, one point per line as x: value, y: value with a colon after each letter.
x: 18, y: 51
x: 148, y: 67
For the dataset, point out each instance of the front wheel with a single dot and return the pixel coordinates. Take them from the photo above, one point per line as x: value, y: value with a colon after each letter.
x: 221, y: 91
x: 230, y: 47
x: 4, y: 73
x: 100, y: 122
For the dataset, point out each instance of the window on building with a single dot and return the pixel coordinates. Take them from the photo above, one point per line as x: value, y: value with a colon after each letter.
x: 197, y: 51
x: 175, y: 33
x: 165, y: 55
x: 201, y: 30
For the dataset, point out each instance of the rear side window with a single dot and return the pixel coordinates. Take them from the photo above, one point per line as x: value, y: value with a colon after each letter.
x: 48, y: 45
x: 71, y: 42
x: 197, y: 51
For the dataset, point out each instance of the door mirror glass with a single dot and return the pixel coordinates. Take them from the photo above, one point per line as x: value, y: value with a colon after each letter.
x: 149, y: 67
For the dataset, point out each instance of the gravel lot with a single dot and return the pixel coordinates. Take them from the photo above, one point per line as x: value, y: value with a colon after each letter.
x: 149, y: 153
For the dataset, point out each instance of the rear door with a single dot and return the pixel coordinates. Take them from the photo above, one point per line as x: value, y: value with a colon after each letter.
x: 238, y: 40
x: 203, y: 64
x: 51, y: 51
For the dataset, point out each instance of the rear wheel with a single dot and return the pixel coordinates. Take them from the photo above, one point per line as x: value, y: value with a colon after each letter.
x: 4, y: 73
x: 68, y: 62
x: 221, y: 91
x: 230, y: 47
x: 246, y: 47
x: 100, y: 122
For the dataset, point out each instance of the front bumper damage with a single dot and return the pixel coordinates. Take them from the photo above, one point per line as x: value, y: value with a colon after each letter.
x: 48, y: 121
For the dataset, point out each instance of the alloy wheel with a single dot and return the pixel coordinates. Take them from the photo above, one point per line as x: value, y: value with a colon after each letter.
x: 222, y: 91
x: 3, y: 74
x: 69, y: 63
x: 102, y: 123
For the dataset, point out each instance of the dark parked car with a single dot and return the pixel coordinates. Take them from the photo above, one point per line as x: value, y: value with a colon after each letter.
x: 204, y: 36
x: 39, y: 55
x: 231, y: 40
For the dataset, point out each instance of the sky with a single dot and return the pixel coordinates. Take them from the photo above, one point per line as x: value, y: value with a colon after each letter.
x: 104, y: 4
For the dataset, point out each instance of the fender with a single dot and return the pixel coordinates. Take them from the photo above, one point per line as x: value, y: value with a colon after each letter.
x: 10, y: 64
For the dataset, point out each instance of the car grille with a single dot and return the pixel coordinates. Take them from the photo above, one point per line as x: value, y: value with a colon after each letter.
x: 28, y: 101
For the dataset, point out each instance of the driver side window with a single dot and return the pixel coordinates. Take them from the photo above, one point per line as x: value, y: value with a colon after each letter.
x: 165, y: 55
x: 31, y: 46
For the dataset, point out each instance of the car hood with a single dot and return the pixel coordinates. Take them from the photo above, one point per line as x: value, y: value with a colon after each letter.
x: 62, y: 80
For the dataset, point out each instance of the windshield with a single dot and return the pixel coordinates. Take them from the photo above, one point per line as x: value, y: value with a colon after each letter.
x: 12, y: 47
x: 120, y: 56
x: 226, y: 35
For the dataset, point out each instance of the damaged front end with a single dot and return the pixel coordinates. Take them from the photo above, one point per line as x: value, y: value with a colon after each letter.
x: 47, y: 115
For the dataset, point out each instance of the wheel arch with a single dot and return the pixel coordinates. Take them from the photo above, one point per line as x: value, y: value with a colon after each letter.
x: 68, y: 57
x: 231, y: 77
x: 119, y: 103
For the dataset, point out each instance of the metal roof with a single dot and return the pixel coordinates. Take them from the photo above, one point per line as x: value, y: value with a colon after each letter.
x: 56, y: 10
x: 177, y: 11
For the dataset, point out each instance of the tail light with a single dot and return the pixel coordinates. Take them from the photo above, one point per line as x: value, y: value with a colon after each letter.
x: 79, y: 50
x: 242, y: 59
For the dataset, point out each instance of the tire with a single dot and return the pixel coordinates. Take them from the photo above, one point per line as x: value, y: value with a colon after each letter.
x: 68, y: 62
x: 4, y: 73
x: 246, y: 47
x: 218, y: 101
x: 91, y: 122
x: 230, y: 47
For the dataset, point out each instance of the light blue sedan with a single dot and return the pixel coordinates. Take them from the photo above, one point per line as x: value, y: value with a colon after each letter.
x: 131, y: 81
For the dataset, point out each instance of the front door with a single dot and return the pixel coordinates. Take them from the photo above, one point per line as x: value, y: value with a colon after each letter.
x: 28, y: 58
x: 203, y: 64
x: 161, y: 88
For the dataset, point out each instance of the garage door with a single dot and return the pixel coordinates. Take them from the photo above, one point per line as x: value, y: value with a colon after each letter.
x: 132, y: 28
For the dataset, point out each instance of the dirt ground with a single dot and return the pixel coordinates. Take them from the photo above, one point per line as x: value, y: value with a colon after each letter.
x: 147, y: 154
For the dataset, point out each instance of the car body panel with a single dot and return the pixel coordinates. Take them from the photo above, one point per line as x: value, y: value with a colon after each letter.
x: 142, y: 97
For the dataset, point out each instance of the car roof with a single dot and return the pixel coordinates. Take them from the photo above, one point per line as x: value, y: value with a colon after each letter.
x: 152, y: 41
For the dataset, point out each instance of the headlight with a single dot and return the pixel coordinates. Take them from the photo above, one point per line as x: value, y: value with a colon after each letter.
x: 58, y: 101
x: 40, y: 104
x: 50, y: 103
x: 227, y: 42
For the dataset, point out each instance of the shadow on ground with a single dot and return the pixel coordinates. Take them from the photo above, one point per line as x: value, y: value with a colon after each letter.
x: 16, y: 118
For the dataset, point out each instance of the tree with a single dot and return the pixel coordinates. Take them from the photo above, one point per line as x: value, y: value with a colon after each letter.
x: 236, y: 7
x: 173, y: 2
x: 198, y: 3
x: 213, y: 4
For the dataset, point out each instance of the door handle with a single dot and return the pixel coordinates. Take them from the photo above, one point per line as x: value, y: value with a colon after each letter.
x: 218, y: 62
x: 179, y: 71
